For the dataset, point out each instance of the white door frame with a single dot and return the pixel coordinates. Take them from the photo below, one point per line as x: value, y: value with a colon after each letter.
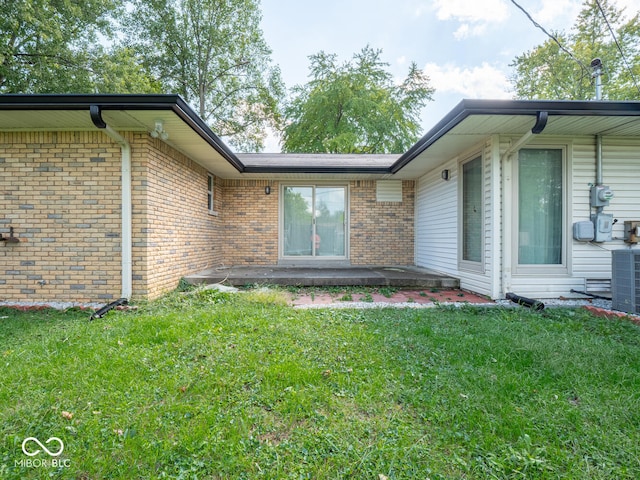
x: 315, y: 259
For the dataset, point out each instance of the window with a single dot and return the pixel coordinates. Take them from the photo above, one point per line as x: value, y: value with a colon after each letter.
x: 540, y: 211
x: 314, y: 221
x: 210, y: 187
x: 472, y: 213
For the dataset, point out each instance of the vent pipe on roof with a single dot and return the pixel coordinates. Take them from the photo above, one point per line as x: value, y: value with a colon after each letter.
x: 596, y: 64
x: 126, y: 233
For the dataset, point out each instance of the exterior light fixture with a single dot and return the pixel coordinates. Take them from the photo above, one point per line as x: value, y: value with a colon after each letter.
x: 267, y: 190
x: 445, y: 174
x: 158, y: 131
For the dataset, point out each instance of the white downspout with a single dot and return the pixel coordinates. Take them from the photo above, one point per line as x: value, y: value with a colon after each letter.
x: 127, y: 237
x: 126, y: 215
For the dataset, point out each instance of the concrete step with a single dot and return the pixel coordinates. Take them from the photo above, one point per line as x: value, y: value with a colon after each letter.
x: 391, y: 276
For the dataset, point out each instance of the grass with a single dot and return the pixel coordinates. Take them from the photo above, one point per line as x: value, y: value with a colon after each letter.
x: 210, y: 385
x: 346, y: 293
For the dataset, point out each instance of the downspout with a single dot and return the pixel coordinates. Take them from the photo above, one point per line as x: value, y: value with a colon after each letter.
x: 599, y: 177
x: 507, y: 181
x: 126, y: 233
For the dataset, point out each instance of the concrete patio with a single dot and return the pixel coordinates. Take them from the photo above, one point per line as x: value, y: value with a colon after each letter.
x: 391, y: 276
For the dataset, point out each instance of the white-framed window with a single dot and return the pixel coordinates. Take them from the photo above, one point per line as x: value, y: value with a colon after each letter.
x: 540, y: 210
x: 210, y: 193
x: 471, y: 243
x: 314, y: 221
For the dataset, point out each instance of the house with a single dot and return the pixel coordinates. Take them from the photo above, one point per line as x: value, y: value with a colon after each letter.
x: 108, y: 196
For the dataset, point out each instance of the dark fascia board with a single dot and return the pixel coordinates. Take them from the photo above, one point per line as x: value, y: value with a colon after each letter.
x: 106, y: 102
x: 175, y: 103
x: 467, y: 108
x: 317, y: 169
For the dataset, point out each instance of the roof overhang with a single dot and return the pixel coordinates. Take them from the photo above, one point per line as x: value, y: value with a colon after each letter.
x: 473, y: 121
x: 467, y: 125
x: 187, y: 132
x: 324, y: 165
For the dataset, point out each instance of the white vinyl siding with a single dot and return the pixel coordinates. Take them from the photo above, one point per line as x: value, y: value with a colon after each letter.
x: 437, y: 223
x: 438, y: 216
x: 590, y: 261
x: 621, y: 172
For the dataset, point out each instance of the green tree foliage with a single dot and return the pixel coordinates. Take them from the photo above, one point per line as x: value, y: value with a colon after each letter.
x: 548, y: 72
x: 355, y: 107
x: 213, y: 54
x: 53, y: 46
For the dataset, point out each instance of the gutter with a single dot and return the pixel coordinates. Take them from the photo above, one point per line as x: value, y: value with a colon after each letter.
x: 467, y: 108
x: 126, y: 216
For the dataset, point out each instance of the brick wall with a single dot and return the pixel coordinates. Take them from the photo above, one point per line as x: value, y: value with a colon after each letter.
x: 174, y: 233
x: 250, y: 222
x: 381, y: 232
x: 61, y: 193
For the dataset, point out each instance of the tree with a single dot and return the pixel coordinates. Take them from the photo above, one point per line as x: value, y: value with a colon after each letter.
x: 549, y: 72
x: 213, y: 54
x: 51, y: 46
x: 355, y: 107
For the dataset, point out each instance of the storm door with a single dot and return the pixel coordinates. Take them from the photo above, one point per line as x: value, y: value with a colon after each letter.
x: 314, y: 221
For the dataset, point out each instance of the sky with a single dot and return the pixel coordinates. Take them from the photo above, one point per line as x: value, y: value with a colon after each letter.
x: 464, y: 46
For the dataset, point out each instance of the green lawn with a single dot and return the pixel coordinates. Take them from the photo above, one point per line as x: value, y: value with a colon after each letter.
x: 207, y: 386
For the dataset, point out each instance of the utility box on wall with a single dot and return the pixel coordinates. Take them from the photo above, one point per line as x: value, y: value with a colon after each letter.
x: 602, y: 226
x: 583, y: 231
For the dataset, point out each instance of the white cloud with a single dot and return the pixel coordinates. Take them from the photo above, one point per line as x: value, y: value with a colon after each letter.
x: 473, y: 15
x: 465, y: 31
x: 473, y: 11
x: 552, y: 11
x: 482, y: 81
x: 402, y: 60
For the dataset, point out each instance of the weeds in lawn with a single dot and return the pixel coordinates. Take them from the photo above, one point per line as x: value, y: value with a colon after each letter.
x: 269, y: 296
x: 206, y: 384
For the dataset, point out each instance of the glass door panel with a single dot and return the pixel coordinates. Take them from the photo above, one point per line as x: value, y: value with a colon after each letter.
x: 298, y: 221
x: 314, y: 221
x: 330, y: 222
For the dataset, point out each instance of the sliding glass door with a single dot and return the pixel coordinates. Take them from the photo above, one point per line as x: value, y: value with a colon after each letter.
x: 314, y: 221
